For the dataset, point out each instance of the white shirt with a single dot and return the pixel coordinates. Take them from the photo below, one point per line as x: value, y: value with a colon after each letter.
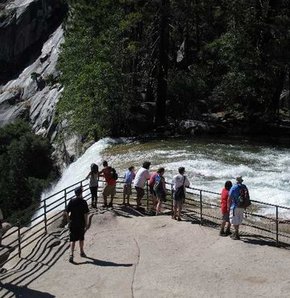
x: 178, y: 181
x: 141, y: 177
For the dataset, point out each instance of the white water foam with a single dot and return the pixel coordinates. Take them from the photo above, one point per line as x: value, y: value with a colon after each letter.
x: 76, y: 172
x: 265, y: 170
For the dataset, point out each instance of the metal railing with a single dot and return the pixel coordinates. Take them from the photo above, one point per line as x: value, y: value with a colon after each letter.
x: 200, y: 205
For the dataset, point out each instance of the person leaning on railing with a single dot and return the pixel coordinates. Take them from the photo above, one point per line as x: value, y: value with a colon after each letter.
x: 179, y: 182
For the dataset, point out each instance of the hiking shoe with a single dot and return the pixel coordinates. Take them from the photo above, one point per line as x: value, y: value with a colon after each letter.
x: 71, y: 258
x: 105, y: 206
x: 110, y: 205
x: 222, y: 233
x: 83, y: 255
x: 235, y: 236
x: 228, y: 232
x: 178, y: 219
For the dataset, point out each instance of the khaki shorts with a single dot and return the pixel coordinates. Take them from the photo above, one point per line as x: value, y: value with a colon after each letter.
x: 109, y: 190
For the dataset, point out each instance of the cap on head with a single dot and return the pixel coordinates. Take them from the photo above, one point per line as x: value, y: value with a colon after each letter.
x: 78, y: 191
x: 239, y: 179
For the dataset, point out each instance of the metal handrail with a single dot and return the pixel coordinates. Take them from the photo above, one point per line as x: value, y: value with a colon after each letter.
x: 196, y: 198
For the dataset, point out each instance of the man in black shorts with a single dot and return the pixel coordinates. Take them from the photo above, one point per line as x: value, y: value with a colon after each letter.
x: 77, y: 212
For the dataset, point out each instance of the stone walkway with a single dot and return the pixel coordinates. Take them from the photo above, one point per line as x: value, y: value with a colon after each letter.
x: 130, y: 255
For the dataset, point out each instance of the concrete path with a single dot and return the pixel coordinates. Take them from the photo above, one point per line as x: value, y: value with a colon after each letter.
x: 130, y: 255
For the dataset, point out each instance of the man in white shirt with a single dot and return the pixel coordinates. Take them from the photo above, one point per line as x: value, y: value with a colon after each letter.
x: 140, y: 180
x: 180, y: 181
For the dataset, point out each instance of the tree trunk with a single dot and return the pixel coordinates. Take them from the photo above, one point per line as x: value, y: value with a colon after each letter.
x: 160, y: 116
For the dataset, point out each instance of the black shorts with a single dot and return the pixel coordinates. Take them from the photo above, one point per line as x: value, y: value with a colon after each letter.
x: 140, y: 192
x: 76, y: 234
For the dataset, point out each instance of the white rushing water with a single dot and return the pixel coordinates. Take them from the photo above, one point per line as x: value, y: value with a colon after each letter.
x: 208, y: 164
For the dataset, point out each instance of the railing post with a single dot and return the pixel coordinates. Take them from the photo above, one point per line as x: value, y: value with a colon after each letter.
x: 172, y: 212
x: 277, y: 226
x: 200, y: 202
x: 19, y: 238
x: 45, y: 216
x: 147, y: 195
x: 65, y: 198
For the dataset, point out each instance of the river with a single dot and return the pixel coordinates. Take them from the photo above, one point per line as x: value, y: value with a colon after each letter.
x: 209, y: 162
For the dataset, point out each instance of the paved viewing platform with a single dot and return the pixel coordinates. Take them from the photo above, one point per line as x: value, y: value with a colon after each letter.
x: 132, y: 255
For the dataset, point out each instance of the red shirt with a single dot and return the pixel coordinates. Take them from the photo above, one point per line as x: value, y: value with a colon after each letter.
x: 224, y: 201
x: 107, y: 175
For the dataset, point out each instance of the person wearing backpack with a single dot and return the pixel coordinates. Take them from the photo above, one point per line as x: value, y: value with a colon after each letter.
x: 151, y: 184
x: 111, y: 177
x: 238, y: 200
x: 179, y: 182
x: 160, y: 189
x: 94, y: 182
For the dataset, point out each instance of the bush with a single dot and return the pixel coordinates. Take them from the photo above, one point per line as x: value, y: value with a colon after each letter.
x: 26, y: 168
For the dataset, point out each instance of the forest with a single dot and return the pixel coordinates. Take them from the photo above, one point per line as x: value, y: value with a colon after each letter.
x: 26, y: 169
x: 184, y: 59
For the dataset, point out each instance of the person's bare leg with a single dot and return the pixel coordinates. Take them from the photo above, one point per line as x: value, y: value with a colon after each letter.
x: 174, y: 211
x: 179, y: 211
x: 72, y: 248
x: 105, y: 200
x: 81, y: 242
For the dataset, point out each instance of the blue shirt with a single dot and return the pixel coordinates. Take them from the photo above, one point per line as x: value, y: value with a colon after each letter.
x: 235, y: 193
x: 129, y: 177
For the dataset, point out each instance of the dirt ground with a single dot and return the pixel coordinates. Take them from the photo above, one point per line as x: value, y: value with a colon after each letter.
x: 132, y: 255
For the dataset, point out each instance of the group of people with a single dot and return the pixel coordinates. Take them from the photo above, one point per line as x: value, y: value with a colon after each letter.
x: 138, y: 180
x: 77, y: 209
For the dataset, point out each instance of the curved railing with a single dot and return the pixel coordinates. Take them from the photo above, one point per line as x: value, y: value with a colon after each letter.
x: 202, y: 206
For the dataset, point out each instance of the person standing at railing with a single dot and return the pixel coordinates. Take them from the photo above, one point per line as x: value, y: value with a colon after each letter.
x: 76, y: 213
x: 140, y: 180
x: 224, y: 209
x: 111, y: 177
x: 127, y: 190
x: 94, y: 182
x: 238, y: 193
x: 151, y: 190
x: 180, y: 181
x: 160, y: 189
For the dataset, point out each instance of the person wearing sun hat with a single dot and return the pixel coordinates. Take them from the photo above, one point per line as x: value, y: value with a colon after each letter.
x: 234, y: 207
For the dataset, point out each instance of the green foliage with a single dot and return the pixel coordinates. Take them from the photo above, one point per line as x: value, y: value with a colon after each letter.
x: 96, y: 97
x: 26, y: 168
x: 233, y: 56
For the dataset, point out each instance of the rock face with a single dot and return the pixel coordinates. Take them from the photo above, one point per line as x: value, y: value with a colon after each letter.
x: 24, y: 25
x: 33, y: 92
x: 32, y: 95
